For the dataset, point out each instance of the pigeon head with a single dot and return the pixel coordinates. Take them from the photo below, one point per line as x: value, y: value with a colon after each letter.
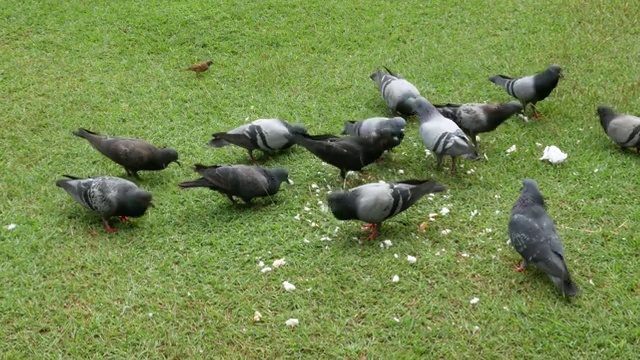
x: 342, y: 205
x: 209, y: 62
x: 134, y: 203
x: 387, y: 138
x: 280, y: 175
x: 531, y: 193
x: 377, y: 76
x: 299, y: 129
x: 555, y: 69
x: 398, y: 124
x: 513, y: 106
x: 166, y: 156
x: 605, y: 113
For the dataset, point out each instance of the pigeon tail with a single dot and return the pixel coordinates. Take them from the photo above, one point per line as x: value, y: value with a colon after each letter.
x: 201, y: 182
x: 84, y: 133
x: 567, y: 286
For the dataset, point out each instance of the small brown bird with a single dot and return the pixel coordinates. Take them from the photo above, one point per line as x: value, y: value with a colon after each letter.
x: 200, y: 67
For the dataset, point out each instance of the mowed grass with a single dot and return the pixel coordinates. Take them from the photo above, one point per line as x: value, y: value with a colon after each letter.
x: 183, y: 281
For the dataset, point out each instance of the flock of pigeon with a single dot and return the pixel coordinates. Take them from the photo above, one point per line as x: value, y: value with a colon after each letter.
x: 446, y: 130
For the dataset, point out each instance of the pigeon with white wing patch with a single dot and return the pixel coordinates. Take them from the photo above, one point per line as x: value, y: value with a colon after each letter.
x: 377, y: 202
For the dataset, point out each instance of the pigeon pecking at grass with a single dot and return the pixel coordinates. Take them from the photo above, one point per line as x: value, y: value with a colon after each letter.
x: 534, y: 237
x: 372, y: 126
x: 476, y: 119
x: 441, y: 135
x: 243, y: 181
x: 530, y: 89
x: 395, y: 91
x: 624, y: 129
x: 348, y: 153
x: 377, y: 202
x: 266, y: 135
x: 108, y: 196
x: 133, y: 154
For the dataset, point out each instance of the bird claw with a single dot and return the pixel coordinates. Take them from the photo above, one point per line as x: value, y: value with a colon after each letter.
x: 519, y: 268
x: 110, y: 230
x: 123, y: 218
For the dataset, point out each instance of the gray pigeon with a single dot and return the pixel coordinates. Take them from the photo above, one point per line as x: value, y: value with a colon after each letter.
x: 377, y: 202
x: 476, y: 119
x: 243, y: 181
x: 372, y: 126
x: 262, y: 134
x: 395, y: 91
x: 535, y: 238
x: 441, y: 135
x: 108, y: 196
x: 530, y: 89
x: 622, y: 128
x: 133, y: 154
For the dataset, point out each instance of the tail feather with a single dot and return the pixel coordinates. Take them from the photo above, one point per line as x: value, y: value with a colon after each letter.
x: 201, y: 182
x: 83, y: 133
x: 567, y: 286
x: 389, y: 71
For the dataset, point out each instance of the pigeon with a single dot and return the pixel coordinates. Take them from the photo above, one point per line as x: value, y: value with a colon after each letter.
x: 243, y: 181
x: 262, y: 134
x: 395, y: 91
x: 530, y: 89
x: 200, y: 67
x: 377, y: 202
x: 108, y: 196
x: 622, y: 128
x: 534, y: 237
x: 441, y: 135
x: 133, y: 154
x: 348, y: 153
x: 476, y: 119
x: 371, y: 126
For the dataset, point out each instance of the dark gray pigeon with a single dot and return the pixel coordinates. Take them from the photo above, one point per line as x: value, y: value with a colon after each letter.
x: 262, y: 134
x: 534, y: 237
x: 395, y: 91
x: 243, y: 181
x: 475, y: 118
x: 133, y: 154
x: 371, y: 127
x: 348, y: 153
x: 441, y: 135
x: 108, y: 196
x: 377, y: 202
x: 530, y: 89
x: 624, y: 129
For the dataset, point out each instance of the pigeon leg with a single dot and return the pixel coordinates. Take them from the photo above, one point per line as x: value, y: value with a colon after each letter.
x: 439, y: 160
x: 108, y: 227
x: 253, y: 159
x: 519, y: 268
x: 374, y: 233
x: 535, y: 111
x: 123, y: 218
x: 453, y: 164
x: 233, y: 201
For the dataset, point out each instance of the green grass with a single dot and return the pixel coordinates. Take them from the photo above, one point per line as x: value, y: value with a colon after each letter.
x: 183, y: 281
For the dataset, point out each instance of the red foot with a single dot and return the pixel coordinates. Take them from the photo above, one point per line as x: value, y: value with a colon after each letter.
x: 109, y: 229
x: 374, y: 233
x: 536, y: 115
x: 379, y: 160
x: 123, y: 218
x: 519, y: 268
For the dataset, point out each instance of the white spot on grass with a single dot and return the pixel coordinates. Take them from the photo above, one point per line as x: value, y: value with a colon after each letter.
x: 474, y: 213
x: 596, y: 170
x: 395, y: 256
x: 474, y: 301
x: 292, y: 322
x: 10, y: 227
x: 497, y: 212
x: 470, y: 171
x: 396, y: 319
x: 395, y: 279
x: 591, y: 282
x: 313, y: 224
x: 297, y: 217
x: 306, y: 241
x: 265, y: 270
x: 261, y: 264
x: 465, y: 255
x: 257, y: 317
x: 288, y: 286
x: 512, y: 149
x: 505, y: 308
x: 400, y: 171
x: 279, y: 262
x: 446, y: 231
x: 553, y: 154
x: 325, y: 238
x: 387, y: 243
x: 150, y: 315
x: 307, y: 209
x: 314, y: 186
x: 445, y: 211
x: 411, y: 259
x: 476, y: 328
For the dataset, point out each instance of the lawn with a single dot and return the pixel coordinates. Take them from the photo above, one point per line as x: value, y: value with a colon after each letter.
x: 184, y: 282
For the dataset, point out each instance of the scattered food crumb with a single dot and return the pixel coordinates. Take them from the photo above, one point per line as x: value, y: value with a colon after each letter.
x: 464, y: 255
x: 411, y: 259
x: 313, y: 224
x: 497, y: 196
x: 591, y: 282
x: 387, y: 243
x: 553, y: 154
x: 306, y: 240
x: 488, y: 230
x: 474, y: 213
x: 297, y: 217
x: 506, y: 308
x: 470, y: 171
x: 538, y: 144
x: 423, y: 226
x: 314, y: 186
x: 278, y: 263
x: 595, y: 171
x: 446, y: 232
x: 261, y: 264
x: 444, y: 211
x: 474, y: 301
x: 476, y: 328
x: 508, y: 241
x: 10, y: 227
x: 396, y: 278
x: 265, y: 270
x: 395, y: 256
x: 512, y: 149
x: 497, y: 212
x: 150, y: 314
x: 400, y: 171
x: 257, y: 317
x: 292, y: 322
x: 307, y: 209
x: 288, y: 286
x: 325, y: 238
x: 396, y: 319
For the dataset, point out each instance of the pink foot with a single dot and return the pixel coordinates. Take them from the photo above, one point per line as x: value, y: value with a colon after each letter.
x: 109, y: 229
x: 123, y: 218
x: 519, y: 268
